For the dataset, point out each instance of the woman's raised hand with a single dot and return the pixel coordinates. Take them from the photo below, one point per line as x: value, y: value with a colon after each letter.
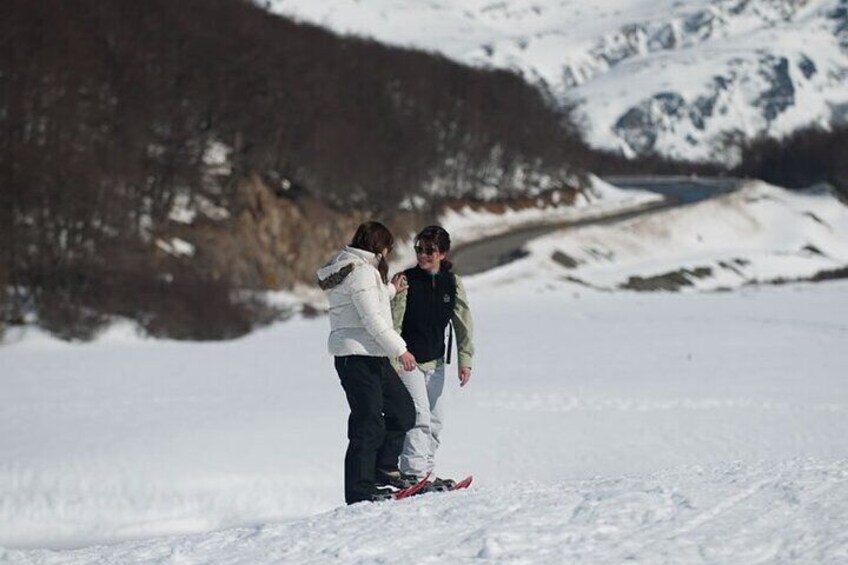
x: 400, y: 283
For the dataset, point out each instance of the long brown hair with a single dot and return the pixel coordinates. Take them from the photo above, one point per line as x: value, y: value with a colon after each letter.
x: 376, y: 238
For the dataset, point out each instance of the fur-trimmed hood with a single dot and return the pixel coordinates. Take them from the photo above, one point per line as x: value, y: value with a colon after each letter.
x: 342, y: 264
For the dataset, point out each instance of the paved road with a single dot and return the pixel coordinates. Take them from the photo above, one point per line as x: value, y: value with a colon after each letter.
x: 685, y: 189
x: 485, y: 254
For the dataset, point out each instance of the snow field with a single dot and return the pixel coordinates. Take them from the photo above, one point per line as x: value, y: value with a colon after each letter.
x: 646, y: 425
x: 600, y: 426
x: 729, y: 514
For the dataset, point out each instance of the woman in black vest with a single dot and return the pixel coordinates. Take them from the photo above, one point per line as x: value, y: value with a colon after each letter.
x: 434, y: 299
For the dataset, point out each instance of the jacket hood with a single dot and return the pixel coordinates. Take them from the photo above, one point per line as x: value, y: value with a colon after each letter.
x: 342, y: 264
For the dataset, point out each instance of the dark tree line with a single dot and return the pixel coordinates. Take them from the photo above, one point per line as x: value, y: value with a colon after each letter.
x: 107, y: 108
x: 800, y: 160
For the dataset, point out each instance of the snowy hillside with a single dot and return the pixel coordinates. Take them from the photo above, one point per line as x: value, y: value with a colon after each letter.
x: 760, y: 233
x: 646, y: 75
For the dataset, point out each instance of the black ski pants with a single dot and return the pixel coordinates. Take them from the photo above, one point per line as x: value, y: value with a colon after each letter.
x: 381, y: 412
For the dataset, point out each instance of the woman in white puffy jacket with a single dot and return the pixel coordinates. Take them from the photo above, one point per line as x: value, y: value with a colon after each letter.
x: 362, y: 340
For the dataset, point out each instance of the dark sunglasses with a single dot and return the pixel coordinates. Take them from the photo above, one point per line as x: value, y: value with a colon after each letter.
x: 426, y: 250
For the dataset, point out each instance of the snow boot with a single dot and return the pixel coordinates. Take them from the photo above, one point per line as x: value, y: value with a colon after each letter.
x: 380, y: 494
x: 394, y: 478
x: 441, y: 485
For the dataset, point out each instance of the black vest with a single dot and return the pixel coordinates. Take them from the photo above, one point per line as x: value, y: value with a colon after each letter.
x: 430, y: 302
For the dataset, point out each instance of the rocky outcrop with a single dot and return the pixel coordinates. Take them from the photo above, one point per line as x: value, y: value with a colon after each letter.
x: 274, y: 241
x: 271, y: 242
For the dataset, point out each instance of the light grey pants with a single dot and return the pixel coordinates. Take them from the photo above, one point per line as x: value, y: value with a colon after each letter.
x: 422, y: 441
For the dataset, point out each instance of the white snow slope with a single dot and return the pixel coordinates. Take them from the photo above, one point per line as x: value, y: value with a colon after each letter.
x: 653, y: 428
x: 600, y: 426
x: 760, y: 233
x: 646, y: 75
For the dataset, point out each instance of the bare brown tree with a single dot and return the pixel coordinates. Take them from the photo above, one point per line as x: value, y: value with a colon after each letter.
x: 107, y: 108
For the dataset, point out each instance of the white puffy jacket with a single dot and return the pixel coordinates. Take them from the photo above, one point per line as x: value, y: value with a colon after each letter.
x: 360, y: 309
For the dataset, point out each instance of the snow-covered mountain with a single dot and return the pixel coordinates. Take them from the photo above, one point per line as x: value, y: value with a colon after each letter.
x: 668, y: 76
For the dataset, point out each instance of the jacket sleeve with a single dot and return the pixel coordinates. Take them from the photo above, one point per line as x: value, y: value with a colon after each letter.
x: 365, y: 294
x: 398, y: 310
x: 464, y: 326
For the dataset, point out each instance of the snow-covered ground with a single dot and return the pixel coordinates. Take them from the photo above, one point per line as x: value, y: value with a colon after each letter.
x: 600, y: 427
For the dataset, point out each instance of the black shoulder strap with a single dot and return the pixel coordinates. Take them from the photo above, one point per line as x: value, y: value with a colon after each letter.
x: 450, y: 341
x: 450, y: 322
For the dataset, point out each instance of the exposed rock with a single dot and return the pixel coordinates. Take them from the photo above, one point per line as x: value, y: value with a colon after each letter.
x: 665, y: 37
x: 831, y: 275
x: 273, y: 242
x: 639, y: 126
x: 781, y: 95
x: 672, y: 281
x: 565, y: 260
x: 807, y: 67
x: 840, y: 16
x: 702, y: 24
